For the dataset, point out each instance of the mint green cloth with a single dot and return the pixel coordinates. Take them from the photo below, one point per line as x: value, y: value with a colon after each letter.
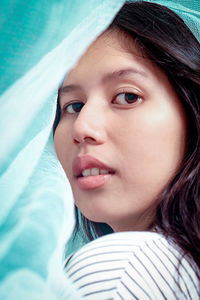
x: 40, y: 42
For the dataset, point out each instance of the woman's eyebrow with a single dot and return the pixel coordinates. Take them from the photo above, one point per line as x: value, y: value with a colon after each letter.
x: 69, y: 88
x: 123, y: 73
x: 107, y: 77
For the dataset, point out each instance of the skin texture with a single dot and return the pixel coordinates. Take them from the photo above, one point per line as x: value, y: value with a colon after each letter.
x: 143, y: 141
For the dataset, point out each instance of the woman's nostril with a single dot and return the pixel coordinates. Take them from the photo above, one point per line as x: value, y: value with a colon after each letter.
x: 88, y: 139
x: 76, y: 141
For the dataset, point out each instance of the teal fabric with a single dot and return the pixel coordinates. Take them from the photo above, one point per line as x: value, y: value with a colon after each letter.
x: 40, y: 42
x: 188, y: 10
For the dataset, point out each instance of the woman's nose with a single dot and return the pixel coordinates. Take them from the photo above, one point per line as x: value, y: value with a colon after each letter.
x: 89, y: 126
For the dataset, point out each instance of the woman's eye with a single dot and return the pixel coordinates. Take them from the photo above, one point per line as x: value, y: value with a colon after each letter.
x: 126, y: 98
x: 73, y: 108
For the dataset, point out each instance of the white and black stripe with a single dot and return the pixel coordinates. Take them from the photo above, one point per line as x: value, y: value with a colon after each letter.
x: 134, y: 265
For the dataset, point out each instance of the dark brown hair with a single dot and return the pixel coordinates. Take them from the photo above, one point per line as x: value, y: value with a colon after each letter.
x: 167, y: 41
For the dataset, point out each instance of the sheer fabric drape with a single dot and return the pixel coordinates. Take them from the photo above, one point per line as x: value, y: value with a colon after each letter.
x: 40, y: 42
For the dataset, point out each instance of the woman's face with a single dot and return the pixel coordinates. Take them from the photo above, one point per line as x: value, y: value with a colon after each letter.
x: 121, y: 136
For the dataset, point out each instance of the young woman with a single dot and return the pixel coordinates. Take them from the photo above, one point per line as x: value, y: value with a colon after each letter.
x: 127, y: 133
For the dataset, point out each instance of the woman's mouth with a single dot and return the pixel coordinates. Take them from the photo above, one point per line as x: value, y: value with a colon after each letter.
x: 90, y: 172
x: 92, y: 181
x: 94, y: 172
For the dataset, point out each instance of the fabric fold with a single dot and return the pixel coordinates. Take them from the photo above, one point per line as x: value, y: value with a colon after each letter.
x: 41, y: 42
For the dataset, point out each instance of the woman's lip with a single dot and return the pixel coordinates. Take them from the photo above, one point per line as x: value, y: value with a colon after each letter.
x: 92, y: 182
x: 84, y: 162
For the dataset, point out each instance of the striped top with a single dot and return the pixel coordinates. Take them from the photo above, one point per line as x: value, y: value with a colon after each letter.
x: 133, y: 265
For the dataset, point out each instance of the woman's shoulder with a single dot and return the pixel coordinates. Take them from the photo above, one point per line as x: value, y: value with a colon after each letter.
x: 130, y: 244
x: 134, y: 264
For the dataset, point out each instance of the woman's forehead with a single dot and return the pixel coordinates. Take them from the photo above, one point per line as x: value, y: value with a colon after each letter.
x: 108, y: 57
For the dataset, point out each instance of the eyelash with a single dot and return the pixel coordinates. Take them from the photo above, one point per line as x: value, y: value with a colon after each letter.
x: 72, y: 105
x: 136, y: 97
